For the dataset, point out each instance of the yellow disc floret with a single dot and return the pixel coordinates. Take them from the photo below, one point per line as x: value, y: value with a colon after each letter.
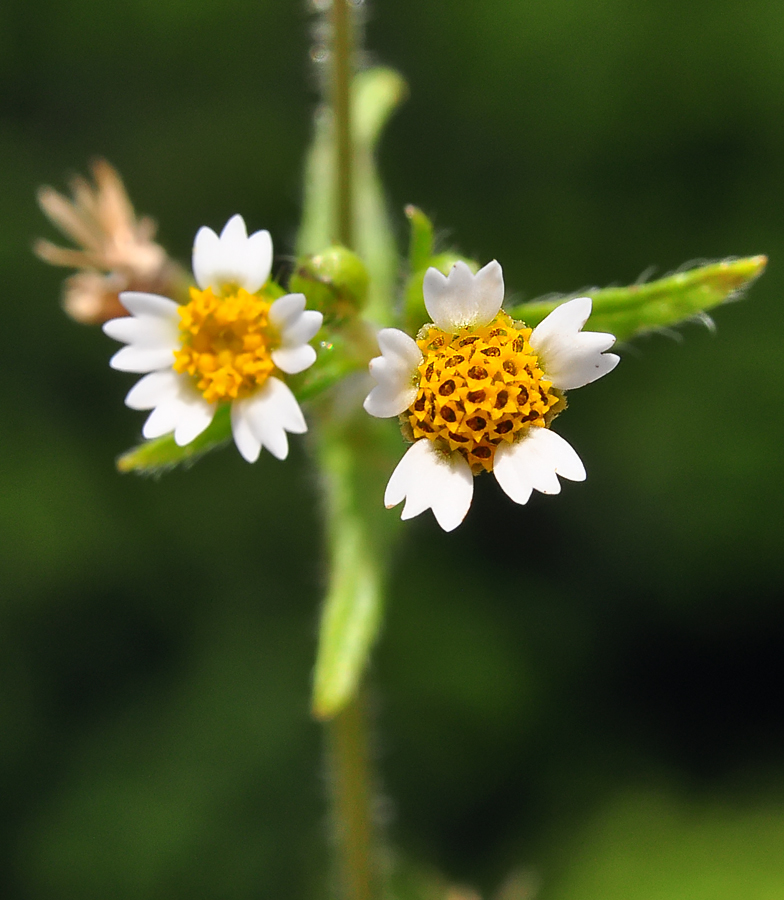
x: 480, y: 387
x: 225, y: 343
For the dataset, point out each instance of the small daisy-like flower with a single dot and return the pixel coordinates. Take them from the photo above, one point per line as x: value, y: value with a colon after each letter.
x: 229, y: 344
x: 478, y: 391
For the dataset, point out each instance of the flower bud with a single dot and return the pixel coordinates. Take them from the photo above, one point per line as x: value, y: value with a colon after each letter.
x: 335, y: 282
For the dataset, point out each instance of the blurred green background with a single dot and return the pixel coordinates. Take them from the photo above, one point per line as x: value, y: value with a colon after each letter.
x: 588, y: 688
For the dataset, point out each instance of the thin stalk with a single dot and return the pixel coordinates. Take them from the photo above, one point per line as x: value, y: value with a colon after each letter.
x: 352, y: 788
x: 342, y: 58
x: 353, y: 794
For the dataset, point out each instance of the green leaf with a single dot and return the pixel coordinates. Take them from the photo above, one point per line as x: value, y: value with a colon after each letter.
x: 376, y: 94
x: 629, y: 311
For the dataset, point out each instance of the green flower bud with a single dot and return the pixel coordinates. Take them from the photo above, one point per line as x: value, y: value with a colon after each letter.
x: 335, y: 282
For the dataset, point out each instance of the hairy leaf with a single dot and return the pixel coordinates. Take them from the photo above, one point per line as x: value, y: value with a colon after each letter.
x: 629, y: 311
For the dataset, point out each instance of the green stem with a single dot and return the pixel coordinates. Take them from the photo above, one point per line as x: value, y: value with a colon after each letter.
x: 354, y: 575
x: 342, y: 73
x: 352, y: 797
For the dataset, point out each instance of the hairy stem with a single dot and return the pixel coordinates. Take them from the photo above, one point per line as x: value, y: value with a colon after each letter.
x: 354, y: 575
x: 353, y: 796
x: 342, y: 75
x: 350, y: 618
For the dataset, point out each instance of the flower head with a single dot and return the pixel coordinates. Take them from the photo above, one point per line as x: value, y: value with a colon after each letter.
x: 478, y: 392
x: 229, y: 344
x: 117, y: 251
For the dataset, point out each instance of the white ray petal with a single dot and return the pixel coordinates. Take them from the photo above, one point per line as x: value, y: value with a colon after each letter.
x: 145, y: 331
x: 257, y: 261
x: 280, y: 399
x: 232, y: 258
x: 428, y: 479
x: 151, y: 332
x: 195, y: 415
x: 395, y: 372
x: 385, y: 402
x: 305, y: 329
x: 247, y: 442
x: 142, y: 359
x: 271, y: 412
x: 154, y: 389
x: 295, y: 324
x: 272, y: 436
x: 285, y: 311
x: 206, y: 256
x: 398, y: 347
x: 162, y: 420
x: 234, y: 233
x: 294, y: 359
x: 139, y: 303
x: 570, y: 357
x: 180, y: 408
x: 533, y: 462
x: 462, y: 299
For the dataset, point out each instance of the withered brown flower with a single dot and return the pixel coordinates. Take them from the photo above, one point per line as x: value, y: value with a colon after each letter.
x: 115, y: 251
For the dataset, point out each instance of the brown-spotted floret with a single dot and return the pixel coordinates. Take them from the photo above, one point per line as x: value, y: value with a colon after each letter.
x: 478, y: 388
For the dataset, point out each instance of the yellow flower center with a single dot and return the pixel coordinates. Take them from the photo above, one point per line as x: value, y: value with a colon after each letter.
x: 225, y: 343
x: 478, y: 388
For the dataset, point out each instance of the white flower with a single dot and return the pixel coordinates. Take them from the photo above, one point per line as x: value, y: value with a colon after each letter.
x: 478, y: 392
x: 224, y: 346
